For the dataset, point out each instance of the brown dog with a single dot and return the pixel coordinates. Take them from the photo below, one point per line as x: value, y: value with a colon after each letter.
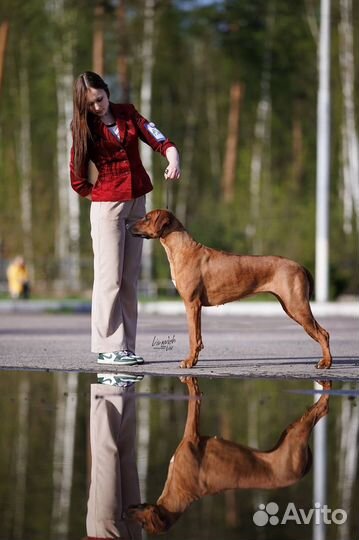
x: 207, y: 277
x: 208, y: 465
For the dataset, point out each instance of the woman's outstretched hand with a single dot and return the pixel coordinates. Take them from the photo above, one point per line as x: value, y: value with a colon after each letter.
x: 173, y: 169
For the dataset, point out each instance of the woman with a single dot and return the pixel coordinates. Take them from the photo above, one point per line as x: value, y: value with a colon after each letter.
x: 108, y: 134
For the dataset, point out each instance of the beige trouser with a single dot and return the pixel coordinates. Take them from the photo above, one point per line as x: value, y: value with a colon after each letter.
x: 117, y: 257
x: 114, y: 478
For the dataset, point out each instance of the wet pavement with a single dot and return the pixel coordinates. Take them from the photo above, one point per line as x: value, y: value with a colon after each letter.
x: 236, y: 346
x: 249, y: 435
x: 82, y: 445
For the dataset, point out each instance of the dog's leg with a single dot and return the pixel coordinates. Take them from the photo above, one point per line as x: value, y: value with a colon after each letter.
x: 303, y: 315
x: 193, y: 310
x: 191, y: 429
x: 304, y: 425
x: 305, y: 318
x: 323, y: 339
x: 292, y: 455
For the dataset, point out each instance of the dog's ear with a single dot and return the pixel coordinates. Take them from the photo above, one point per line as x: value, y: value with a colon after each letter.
x: 163, y: 220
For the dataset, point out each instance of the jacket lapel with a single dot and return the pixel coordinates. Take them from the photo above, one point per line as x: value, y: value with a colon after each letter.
x: 106, y: 133
x: 120, y: 118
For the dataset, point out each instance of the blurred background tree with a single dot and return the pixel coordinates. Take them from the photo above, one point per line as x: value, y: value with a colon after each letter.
x: 234, y: 84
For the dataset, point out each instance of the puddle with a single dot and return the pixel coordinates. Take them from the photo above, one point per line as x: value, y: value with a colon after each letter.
x: 45, y: 458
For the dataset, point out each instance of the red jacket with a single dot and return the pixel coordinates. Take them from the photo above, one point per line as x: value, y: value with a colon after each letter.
x: 122, y: 176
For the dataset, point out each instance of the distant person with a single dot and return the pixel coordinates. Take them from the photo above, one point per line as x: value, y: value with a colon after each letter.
x: 18, y: 278
x: 108, y: 134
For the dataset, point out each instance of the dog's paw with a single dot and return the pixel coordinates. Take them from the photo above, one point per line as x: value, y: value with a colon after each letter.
x: 186, y: 379
x: 188, y: 363
x: 324, y: 364
x: 192, y: 385
x: 327, y: 385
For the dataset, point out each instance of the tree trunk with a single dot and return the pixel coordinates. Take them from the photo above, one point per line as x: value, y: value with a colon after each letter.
x: 98, y: 64
x: 261, y: 145
x: 297, y: 170
x: 21, y: 458
x: 63, y: 459
x: 143, y: 438
x: 230, y: 160
x: 24, y: 157
x: 311, y: 15
x: 348, y: 460
x: 185, y: 188
x: 231, y: 514
x: 68, y: 230
x: 213, y: 123
x: 145, y: 109
x: 68, y: 225
x: 98, y: 41
x: 122, y: 61
x: 350, y: 142
x: 4, y: 30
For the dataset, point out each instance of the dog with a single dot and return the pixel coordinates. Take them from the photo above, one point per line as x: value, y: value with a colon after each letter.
x: 205, y: 465
x: 207, y: 277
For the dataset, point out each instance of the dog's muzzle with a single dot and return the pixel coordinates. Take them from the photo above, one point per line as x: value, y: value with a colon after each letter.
x: 137, y: 233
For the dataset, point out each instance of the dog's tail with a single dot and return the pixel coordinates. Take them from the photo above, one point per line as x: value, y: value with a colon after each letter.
x: 311, y: 282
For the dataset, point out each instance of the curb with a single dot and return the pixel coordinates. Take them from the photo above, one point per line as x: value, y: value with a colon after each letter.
x: 170, y: 307
x: 264, y: 309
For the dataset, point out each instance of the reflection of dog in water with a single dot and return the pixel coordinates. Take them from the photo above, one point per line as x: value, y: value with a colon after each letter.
x: 207, y: 277
x: 207, y: 465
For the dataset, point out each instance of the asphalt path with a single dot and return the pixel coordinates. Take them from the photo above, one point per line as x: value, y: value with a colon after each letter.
x: 235, y: 345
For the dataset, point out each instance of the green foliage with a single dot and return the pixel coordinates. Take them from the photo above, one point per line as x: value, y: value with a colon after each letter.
x: 200, y: 50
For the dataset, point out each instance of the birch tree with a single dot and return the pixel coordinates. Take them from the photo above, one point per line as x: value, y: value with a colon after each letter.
x: 348, y: 458
x: 63, y: 459
x: 68, y: 224
x: 21, y: 458
x: 24, y: 157
x: 350, y: 142
x: 143, y: 437
x: 261, y: 145
x: 189, y: 143
x: 146, y: 109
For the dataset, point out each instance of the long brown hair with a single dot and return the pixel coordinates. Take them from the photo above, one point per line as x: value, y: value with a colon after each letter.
x: 80, y: 126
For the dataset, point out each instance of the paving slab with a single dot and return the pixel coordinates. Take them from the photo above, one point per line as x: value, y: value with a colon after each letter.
x: 236, y: 345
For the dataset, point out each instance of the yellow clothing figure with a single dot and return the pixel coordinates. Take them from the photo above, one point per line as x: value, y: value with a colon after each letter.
x: 18, y: 278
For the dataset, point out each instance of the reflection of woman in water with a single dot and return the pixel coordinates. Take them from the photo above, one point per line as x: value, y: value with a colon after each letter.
x: 114, y: 478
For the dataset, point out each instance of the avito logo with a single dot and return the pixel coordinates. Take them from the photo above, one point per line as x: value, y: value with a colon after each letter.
x: 267, y: 513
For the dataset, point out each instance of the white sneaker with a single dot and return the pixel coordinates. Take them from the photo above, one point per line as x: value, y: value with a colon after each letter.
x: 138, y: 358
x: 118, y: 358
x: 118, y: 379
